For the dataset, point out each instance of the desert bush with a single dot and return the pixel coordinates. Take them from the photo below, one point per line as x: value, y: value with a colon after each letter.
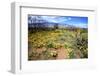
x: 82, y: 44
x: 71, y: 54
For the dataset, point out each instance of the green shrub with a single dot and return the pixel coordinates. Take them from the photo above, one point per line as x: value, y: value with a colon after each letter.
x: 71, y: 54
x: 82, y: 44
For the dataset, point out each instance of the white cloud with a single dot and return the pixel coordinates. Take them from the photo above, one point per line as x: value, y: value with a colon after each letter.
x: 69, y: 18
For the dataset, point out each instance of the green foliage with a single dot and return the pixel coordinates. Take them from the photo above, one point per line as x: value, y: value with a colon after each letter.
x: 82, y: 44
x: 71, y: 54
x: 50, y: 45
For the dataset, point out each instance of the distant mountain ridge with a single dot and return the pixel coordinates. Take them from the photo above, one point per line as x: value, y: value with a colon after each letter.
x: 38, y: 21
x: 51, y: 25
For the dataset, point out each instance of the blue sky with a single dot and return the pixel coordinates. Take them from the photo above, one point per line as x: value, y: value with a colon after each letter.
x: 77, y: 21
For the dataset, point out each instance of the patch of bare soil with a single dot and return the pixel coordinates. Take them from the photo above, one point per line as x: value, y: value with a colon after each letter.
x: 62, y: 53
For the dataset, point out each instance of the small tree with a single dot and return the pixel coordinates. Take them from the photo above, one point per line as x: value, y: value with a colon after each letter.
x: 56, y: 26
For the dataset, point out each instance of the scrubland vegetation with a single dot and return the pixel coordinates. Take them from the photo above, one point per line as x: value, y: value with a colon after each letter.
x: 51, y: 44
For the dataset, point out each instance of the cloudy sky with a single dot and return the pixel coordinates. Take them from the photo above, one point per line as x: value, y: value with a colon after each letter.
x: 70, y: 20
